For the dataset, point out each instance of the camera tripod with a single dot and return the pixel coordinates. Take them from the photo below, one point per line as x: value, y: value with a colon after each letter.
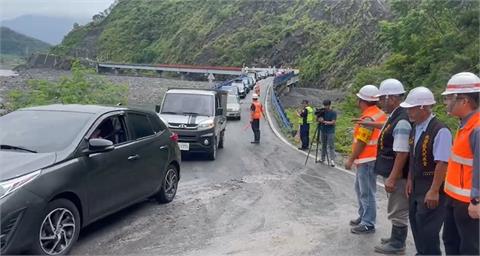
x: 316, y: 138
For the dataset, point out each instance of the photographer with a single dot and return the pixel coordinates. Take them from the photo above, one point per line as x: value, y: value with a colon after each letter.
x: 327, y: 118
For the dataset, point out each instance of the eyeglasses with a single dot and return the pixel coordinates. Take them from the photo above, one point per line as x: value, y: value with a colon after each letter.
x: 453, y: 97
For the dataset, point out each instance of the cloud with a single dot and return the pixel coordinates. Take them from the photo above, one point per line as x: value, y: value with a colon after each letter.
x: 58, y: 8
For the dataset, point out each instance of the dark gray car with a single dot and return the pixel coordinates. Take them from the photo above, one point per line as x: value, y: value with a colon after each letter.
x: 65, y: 166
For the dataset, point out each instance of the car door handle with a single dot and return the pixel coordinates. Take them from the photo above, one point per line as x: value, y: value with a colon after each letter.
x: 163, y: 147
x: 133, y: 157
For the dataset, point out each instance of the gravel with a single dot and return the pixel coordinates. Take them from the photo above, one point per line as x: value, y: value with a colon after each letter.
x: 143, y: 91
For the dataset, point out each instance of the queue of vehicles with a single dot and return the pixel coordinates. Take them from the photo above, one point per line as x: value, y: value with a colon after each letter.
x: 61, y: 164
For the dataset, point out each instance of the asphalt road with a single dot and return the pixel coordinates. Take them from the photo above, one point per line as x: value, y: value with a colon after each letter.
x: 253, y: 200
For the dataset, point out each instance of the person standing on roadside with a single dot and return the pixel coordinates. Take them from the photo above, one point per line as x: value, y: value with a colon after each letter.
x: 307, y: 117
x: 430, y: 143
x: 392, y: 164
x: 256, y: 113
x: 364, y: 153
x: 462, y: 185
x: 327, y: 120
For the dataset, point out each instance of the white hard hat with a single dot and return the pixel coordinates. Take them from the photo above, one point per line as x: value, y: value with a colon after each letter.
x: 254, y: 96
x: 464, y: 82
x: 368, y: 93
x: 391, y: 87
x: 419, y: 96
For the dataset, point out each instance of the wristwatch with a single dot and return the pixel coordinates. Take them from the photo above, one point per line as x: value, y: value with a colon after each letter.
x: 475, y: 201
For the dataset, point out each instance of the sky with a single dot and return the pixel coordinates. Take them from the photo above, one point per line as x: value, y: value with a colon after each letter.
x: 10, y: 9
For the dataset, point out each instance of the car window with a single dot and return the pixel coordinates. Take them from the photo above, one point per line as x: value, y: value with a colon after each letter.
x: 191, y: 104
x: 140, y: 124
x: 232, y: 99
x: 42, y: 131
x: 112, y: 129
x: 156, y: 123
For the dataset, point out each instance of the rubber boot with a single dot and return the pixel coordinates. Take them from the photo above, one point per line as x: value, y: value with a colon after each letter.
x: 386, y: 240
x: 396, y: 245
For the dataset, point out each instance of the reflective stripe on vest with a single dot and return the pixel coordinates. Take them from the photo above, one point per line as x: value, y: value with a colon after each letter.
x: 458, y: 181
x: 369, y: 153
x: 461, y: 160
x: 364, y: 160
x: 457, y: 190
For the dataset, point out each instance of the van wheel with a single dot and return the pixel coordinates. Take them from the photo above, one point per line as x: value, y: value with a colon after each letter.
x: 213, y: 154
x: 222, y: 139
x: 168, y: 190
x: 59, y: 229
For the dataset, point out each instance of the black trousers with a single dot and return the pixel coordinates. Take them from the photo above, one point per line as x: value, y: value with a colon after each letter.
x: 256, y: 129
x: 460, y: 232
x: 426, y: 224
x: 304, y: 135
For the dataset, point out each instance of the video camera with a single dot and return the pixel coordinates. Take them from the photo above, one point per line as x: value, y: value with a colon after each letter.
x: 320, y: 112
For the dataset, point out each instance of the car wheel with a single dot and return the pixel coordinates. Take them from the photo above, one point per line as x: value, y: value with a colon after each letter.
x: 213, y: 154
x: 222, y: 140
x: 168, y: 190
x: 58, y: 230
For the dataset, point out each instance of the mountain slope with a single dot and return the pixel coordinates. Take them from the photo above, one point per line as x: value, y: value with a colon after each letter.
x: 327, y: 39
x: 47, y: 29
x: 13, y: 43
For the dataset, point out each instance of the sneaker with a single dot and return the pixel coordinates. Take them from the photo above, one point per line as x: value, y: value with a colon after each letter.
x: 355, y: 222
x: 332, y: 163
x: 362, y: 229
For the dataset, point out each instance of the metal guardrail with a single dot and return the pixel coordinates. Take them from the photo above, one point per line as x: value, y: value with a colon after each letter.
x: 279, y: 81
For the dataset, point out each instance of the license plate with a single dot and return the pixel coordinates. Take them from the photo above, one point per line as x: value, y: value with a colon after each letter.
x: 184, y: 146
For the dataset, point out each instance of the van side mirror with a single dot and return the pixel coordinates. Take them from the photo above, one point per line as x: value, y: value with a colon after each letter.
x: 219, y: 112
x: 99, y: 146
x: 157, y: 108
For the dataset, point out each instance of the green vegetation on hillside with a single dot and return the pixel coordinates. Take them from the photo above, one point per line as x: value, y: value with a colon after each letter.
x: 83, y: 87
x: 327, y: 40
x: 429, y: 41
x: 16, y: 44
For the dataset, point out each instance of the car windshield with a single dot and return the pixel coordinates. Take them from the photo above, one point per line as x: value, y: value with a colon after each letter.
x: 240, y: 85
x: 232, y: 99
x: 40, y: 131
x: 188, y: 104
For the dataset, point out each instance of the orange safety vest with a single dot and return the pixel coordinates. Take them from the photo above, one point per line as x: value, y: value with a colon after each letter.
x: 458, y: 182
x: 369, y: 153
x: 257, y: 113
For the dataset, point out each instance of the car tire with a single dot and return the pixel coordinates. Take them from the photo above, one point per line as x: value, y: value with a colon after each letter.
x: 169, y: 187
x: 222, y: 139
x: 213, y: 154
x: 66, y: 218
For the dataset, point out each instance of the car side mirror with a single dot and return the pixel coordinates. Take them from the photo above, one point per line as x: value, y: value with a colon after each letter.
x: 99, y: 146
x: 157, y: 108
x: 219, y: 111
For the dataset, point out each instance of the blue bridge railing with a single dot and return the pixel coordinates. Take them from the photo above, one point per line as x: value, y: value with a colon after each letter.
x: 277, y: 104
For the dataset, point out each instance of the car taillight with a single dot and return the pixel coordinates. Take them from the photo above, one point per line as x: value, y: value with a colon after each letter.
x: 174, y: 137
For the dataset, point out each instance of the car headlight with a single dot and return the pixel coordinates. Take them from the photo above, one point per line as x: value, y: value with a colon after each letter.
x: 8, y: 186
x: 206, y: 125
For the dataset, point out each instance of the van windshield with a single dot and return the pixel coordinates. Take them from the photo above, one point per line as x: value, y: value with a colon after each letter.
x: 188, y: 104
